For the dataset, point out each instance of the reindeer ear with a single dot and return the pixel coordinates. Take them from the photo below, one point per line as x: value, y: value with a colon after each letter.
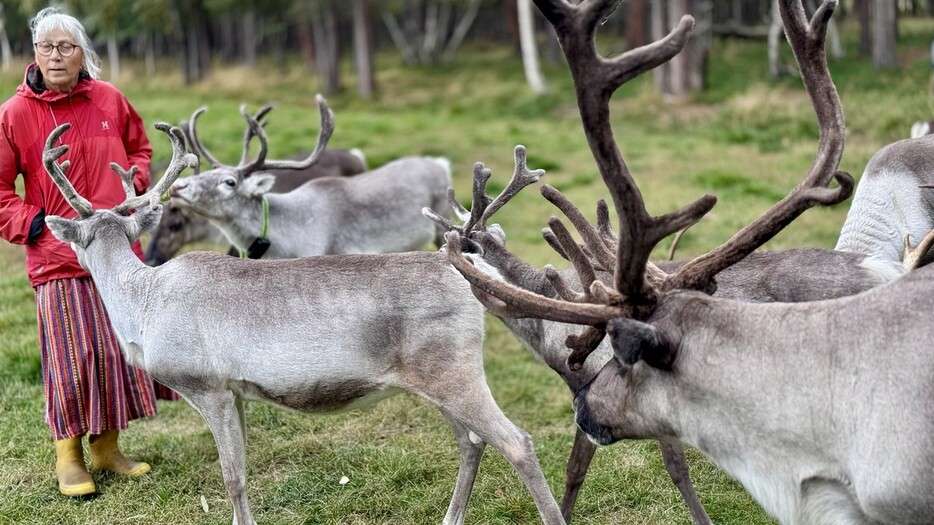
x: 635, y: 341
x: 498, y: 233
x: 65, y: 230
x: 144, y: 220
x: 257, y: 184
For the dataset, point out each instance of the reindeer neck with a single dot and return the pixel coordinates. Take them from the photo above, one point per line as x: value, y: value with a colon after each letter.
x: 544, y: 339
x: 245, y: 226
x: 123, y: 282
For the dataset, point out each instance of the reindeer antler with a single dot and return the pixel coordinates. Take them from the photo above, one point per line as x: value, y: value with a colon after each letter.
x: 482, y: 206
x: 50, y: 156
x: 638, y: 284
x: 255, y: 128
x: 180, y: 161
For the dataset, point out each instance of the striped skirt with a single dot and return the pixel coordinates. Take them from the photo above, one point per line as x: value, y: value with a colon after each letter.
x: 88, y: 386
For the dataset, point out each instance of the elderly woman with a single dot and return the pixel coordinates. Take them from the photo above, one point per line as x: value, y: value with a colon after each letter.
x: 89, y: 389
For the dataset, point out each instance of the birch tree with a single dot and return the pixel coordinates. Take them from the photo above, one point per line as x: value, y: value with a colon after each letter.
x: 533, y: 71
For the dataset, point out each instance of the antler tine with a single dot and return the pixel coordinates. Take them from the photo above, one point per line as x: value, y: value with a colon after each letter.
x: 594, y: 241
x: 521, y: 177
x: 248, y: 133
x: 126, y: 177
x: 582, y: 345
x: 438, y: 219
x: 181, y: 160
x: 196, y: 144
x: 480, y: 200
x: 459, y: 210
x: 505, y: 299
x: 913, y: 257
x: 807, y: 42
x: 574, y: 253
x: 56, y: 170
x: 604, y: 227
x: 553, y: 242
x: 324, y: 134
x: 253, y: 129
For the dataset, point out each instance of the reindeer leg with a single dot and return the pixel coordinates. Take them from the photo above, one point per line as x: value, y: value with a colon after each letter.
x: 242, y: 417
x: 581, y: 454
x: 475, y: 408
x: 222, y: 412
x: 471, y: 453
x: 677, y: 466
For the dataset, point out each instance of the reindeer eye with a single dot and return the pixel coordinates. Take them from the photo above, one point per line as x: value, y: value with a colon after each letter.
x: 230, y: 182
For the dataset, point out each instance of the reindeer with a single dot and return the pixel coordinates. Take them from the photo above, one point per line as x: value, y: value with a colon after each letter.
x: 837, y: 441
x: 892, y: 206
x: 795, y: 275
x: 180, y: 226
x: 337, y: 332
x: 373, y: 212
x: 921, y: 128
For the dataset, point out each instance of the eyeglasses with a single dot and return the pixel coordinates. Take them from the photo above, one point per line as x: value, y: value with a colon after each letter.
x: 65, y: 49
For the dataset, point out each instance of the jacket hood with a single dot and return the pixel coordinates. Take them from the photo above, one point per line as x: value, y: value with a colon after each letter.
x: 33, y: 85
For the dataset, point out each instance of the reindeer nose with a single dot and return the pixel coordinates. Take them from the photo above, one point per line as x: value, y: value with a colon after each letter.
x: 178, y: 185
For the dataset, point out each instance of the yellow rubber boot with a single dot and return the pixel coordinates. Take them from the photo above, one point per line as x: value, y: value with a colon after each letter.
x: 73, y: 477
x: 105, y: 455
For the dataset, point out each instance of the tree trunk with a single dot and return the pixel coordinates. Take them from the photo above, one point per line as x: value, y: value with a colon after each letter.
x: 460, y: 31
x: 511, y: 21
x: 149, y: 53
x: 636, y: 24
x: 883, y: 35
x: 248, y: 38
x: 686, y: 72
x: 113, y: 58
x: 306, y: 42
x: 228, y: 38
x: 324, y: 31
x: 398, y: 36
x: 864, y: 13
x: 6, y: 53
x: 776, y: 33
x: 533, y: 72
x: 363, y: 48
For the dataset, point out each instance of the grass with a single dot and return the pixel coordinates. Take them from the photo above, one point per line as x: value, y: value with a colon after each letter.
x: 746, y: 139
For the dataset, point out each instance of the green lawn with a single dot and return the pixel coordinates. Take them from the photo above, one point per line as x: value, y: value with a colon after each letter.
x: 747, y: 140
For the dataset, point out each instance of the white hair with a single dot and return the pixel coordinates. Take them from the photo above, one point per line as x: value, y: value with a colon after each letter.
x: 52, y: 18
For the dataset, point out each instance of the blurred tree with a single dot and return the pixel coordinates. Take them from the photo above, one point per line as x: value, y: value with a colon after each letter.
x: 6, y: 51
x: 883, y: 34
x: 686, y: 73
x: 428, y: 34
x: 533, y: 72
x: 154, y: 17
x: 190, y: 39
x: 324, y: 16
x: 363, y: 48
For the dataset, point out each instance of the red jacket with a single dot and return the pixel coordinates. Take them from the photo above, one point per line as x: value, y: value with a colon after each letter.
x: 104, y: 128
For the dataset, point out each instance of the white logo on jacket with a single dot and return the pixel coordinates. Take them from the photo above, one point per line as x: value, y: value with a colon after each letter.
x: 105, y: 125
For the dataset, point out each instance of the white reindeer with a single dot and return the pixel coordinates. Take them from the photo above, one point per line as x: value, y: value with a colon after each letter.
x: 336, y: 332
x: 373, y: 212
x: 893, y: 206
x: 180, y: 225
